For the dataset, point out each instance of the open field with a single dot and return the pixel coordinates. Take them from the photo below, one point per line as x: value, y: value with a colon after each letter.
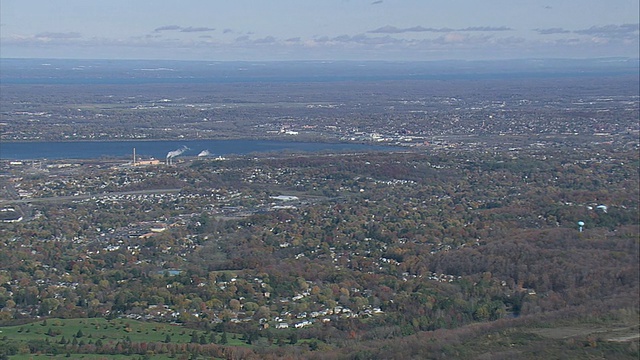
x: 607, y: 333
x: 71, y: 336
x: 106, y: 330
x: 90, y: 357
x: 613, y: 336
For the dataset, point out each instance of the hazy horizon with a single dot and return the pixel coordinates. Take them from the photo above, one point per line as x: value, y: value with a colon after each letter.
x: 451, y: 60
x: 102, y: 71
x: 331, y: 30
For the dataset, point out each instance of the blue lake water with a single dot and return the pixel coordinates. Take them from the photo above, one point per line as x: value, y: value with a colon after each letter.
x: 159, y: 149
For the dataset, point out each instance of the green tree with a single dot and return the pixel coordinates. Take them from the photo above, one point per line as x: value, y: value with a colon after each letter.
x: 194, y: 337
x: 293, y: 338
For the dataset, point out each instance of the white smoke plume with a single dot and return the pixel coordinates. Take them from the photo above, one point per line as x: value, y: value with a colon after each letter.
x: 174, y: 153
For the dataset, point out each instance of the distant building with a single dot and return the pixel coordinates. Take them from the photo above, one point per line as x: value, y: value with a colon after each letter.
x: 147, y: 162
x: 285, y: 198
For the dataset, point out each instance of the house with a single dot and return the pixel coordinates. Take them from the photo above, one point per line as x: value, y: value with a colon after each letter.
x: 302, y: 324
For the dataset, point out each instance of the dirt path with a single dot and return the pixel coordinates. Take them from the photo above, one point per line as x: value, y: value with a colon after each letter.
x: 618, y: 334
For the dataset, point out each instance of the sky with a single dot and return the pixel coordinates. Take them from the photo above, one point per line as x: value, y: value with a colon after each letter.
x: 271, y: 30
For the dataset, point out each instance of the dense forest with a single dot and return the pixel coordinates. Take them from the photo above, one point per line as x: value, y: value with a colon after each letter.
x: 449, y: 254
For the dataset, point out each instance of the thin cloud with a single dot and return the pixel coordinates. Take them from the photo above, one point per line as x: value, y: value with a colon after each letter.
x: 551, y: 31
x: 388, y: 29
x: 570, y: 41
x: 57, y: 35
x: 376, y: 2
x: 611, y: 31
x: 360, y: 39
x: 424, y: 29
x: 376, y: 41
x: 458, y: 39
x: 265, y: 40
x: 196, y: 29
x: 167, y: 28
x: 342, y: 38
x: 486, y: 28
x: 387, y: 41
x: 187, y: 29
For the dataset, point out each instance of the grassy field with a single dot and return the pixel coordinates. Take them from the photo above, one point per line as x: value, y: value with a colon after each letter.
x: 577, y: 339
x: 598, y: 338
x: 96, y: 330
x: 90, y: 357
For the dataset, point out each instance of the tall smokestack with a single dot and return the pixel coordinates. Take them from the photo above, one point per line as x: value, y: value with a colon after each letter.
x: 134, y: 156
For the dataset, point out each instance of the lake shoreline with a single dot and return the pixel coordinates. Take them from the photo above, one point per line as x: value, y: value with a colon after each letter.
x: 161, y: 149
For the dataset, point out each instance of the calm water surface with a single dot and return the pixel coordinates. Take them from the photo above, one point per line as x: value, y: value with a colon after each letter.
x: 159, y: 149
